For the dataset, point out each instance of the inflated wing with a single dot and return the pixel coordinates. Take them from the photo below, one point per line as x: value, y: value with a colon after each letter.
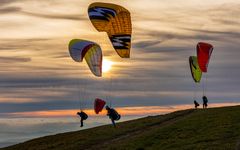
x: 195, y: 70
x: 98, y: 105
x: 91, y: 51
x: 116, y: 21
x: 204, y: 51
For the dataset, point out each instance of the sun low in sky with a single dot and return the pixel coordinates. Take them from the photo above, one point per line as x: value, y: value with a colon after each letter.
x: 106, y: 65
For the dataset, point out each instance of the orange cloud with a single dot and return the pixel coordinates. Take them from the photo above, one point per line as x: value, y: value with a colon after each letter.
x: 139, y: 111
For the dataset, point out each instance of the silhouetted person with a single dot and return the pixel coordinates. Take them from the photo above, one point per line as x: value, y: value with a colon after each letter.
x: 205, y: 101
x: 196, y: 104
x: 113, y: 115
x: 83, y: 116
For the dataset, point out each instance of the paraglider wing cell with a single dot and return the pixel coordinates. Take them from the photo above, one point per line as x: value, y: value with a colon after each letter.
x: 204, y: 51
x: 91, y: 51
x: 78, y: 49
x: 98, y: 105
x: 121, y: 44
x: 101, y: 13
x: 116, y: 21
x: 93, y: 58
x: 195, y: 70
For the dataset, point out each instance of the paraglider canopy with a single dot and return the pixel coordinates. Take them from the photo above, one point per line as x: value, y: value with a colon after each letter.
x: 195, y: 70
x: 116, y: 21
x: 91, y: 51
x: 98, y: 105
x: 204, y: 51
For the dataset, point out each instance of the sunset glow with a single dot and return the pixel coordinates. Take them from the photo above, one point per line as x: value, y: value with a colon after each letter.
x: 129, y: 111
x: 106, y: 65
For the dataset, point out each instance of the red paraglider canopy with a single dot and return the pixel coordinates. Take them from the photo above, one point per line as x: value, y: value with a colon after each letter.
x: 204, y: 51
x: 98, y: 105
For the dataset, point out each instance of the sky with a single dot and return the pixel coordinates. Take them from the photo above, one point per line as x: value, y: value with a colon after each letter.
x: 38, y: 77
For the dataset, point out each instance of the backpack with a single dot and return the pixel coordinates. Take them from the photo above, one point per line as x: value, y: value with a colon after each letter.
x: 119, y: 117
x: 84, y: 116
x: 115, y: 115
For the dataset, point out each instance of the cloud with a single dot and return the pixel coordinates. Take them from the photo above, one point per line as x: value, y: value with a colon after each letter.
x: 56, y: 16
x: 19, y: 10
x: 222, y: 12
x: 145, y: 44
x: 166, y: 49
x: 219, y: 33
x: 10, y: 10
x: 14, y: 60
x: 6, y: 2
x: 20, y: 44
x: 197, y: 35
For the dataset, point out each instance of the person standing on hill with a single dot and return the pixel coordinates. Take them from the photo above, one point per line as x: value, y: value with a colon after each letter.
x: 205, y: 101
x: 113, y: 115
x: 196, y: 104
x: 83, y: 116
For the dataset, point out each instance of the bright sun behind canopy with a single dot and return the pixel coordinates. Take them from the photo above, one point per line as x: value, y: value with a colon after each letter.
x: 106, y: 65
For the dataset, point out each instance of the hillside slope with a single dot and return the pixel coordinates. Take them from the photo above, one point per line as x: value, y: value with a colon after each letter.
x: 215, y: 128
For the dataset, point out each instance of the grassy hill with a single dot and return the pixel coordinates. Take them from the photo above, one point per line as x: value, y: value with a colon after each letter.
x: 215, y: 128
